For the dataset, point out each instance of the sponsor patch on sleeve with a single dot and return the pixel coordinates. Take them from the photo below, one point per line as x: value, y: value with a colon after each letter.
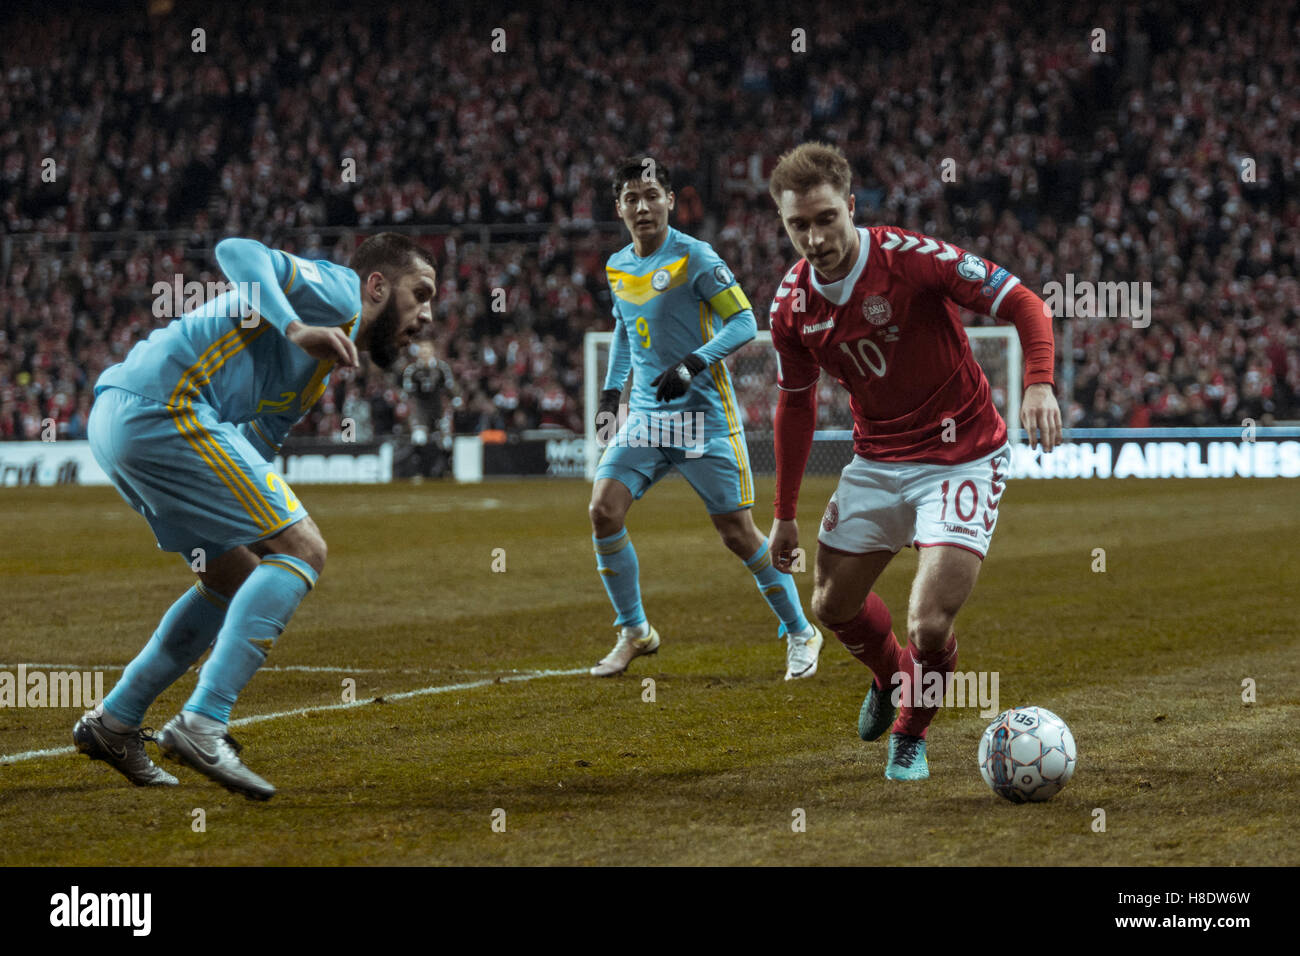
x: 995, y: 282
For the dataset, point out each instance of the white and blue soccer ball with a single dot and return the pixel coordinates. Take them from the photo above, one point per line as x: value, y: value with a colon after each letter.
x: 1027, y: 754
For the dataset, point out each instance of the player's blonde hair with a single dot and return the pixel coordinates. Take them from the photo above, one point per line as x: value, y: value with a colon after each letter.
x: 808, y: 166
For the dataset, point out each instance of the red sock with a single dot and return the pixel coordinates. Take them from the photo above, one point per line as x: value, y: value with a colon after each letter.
x: 914, y: 719
x: 868, y: 637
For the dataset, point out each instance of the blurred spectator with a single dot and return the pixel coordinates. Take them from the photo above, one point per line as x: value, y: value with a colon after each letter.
x: 1172, y: 158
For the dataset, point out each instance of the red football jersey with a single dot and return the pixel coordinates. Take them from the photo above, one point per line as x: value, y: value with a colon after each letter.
x: 889, y: 333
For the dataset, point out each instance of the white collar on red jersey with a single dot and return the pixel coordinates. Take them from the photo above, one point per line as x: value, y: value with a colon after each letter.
x: 839, y: 292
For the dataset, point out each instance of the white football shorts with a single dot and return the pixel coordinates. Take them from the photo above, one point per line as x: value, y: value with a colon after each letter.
x: 888, y: 505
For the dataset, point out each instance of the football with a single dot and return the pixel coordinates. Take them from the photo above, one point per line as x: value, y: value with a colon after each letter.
x: 1027, y: 754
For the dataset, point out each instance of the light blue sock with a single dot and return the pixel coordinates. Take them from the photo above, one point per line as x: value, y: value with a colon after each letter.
x: 259, y: 612
x: 621, y: 575
x: 187, y: 630
x: 778, y: 590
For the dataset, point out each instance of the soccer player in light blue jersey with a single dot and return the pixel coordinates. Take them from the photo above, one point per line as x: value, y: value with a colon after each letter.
x: 186, y: 428
x: 678, y: 313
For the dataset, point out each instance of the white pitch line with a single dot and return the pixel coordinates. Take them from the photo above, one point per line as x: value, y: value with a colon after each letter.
x: 303, y: 668
x: 36, y: 754
x: 403, y: 695
x: 322, y: 669
x: 421, y: 692
x: 285, y: 667
x: 64, y: 667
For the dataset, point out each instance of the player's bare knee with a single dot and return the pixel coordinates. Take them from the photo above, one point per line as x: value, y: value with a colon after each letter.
x: 606, y: 518
x: 225, y: 585
x: 314, y: 551
x: 738, y: 542
x: 227, y: 573
x: 833, y: 609
x: 929, y: 629
x: 302, y: 540
x: 738, y: 533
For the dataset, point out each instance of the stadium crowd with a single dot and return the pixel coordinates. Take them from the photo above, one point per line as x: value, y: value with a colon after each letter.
x: 1169, y: 157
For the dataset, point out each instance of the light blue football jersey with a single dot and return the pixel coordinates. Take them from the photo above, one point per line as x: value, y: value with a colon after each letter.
x: 251, y: 376
x: 667, y: 305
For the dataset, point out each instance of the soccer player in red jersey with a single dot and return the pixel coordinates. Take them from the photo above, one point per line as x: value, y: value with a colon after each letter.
x: 878, y: 309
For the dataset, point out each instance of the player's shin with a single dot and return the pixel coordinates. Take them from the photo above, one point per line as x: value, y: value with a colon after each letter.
x: 778, y: 590
x: 187, y: 630
x: 258, y: 613
x: 914, y: 716
x: 870, y: 638
x: 621, y: 574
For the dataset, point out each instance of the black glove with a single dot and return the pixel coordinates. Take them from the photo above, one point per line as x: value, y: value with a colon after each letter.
x: 673, y: 382
x: 609, y: 400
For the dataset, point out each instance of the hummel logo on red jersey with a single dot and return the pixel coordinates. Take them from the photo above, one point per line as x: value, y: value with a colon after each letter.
x: 820, y: 326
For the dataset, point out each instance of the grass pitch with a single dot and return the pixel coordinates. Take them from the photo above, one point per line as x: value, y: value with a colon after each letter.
x: 1144, y: 661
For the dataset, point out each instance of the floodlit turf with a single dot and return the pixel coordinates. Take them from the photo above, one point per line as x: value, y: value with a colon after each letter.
x: 1145, y: 662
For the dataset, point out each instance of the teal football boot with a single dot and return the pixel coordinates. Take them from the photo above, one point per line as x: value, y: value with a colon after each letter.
x: 877, y: 713
x: 907, y: 758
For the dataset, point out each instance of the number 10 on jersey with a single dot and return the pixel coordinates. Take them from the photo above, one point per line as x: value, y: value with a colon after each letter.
x: 870, y: 355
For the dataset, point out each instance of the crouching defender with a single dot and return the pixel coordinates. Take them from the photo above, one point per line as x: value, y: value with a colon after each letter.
x: 186, y: 428
x: 678, y: 313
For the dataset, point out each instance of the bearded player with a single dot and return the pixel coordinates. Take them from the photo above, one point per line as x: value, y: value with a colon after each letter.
x: 678, y: 313
x: 877, y: 308
x: 187, y: 428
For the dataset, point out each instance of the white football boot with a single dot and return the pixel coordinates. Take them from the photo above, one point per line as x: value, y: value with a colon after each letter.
x: 801, y: 653
x: 631, y: 644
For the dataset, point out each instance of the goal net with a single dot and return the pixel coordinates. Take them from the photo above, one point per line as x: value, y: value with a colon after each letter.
x: 753, y: 372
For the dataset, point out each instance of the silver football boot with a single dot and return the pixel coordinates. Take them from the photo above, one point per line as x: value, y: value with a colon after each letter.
x: 123, y: 752
x: 213, y: 755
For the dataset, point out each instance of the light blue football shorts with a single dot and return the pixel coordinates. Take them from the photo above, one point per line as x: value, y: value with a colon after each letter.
x: 197, y: 481
x: 717, y: 466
